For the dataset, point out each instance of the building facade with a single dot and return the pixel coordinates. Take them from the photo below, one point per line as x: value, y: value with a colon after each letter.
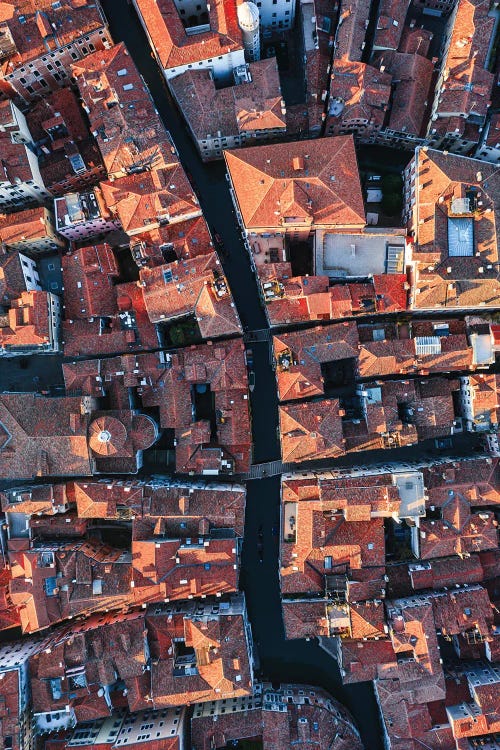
x: 39, y: 46
x: 31, y: 232
x: 83, y: 215
x: 21, y: 183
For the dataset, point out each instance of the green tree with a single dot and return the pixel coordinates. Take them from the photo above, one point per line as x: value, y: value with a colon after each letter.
x: 392, y: 204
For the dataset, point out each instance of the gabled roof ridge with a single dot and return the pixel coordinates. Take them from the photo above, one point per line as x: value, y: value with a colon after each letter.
x: 232, y: 155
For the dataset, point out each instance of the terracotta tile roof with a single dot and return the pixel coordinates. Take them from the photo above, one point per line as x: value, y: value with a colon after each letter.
x: 16, y: 164
x: 304, y: 618
x: 310, y: 430
x: 314, y: 181
x: 29, y: 224
x: 455, y: 281
x: 418, y: 678
x: 493, y: 137
x: 184, y: 510
x: 47, y: 499
x: 410, y: 355
x: 300, y: 355
x: 78, y: 578
x: 33, y: 36
x: 27, y: 325
x: 476, y: 480
x: 413, y: 634
x: 462, y: 610
x: 278, y: 718
x: 191, y: 287
x: 361, y: 661
x: 391, y: 292
x: 170, y: 569
x: 316, y: 58
x: 117, y: 438
x: 356, y: 497
x: 11, y: 713
x: 415, y: 40
x: 428, y: 406
x: 122, y: 116
x: 367, y: 620
x: 299, y: 298
x: 485, y: 402
x: 411, y: 74
x: 88, y: 276
x: 351, y: 32
x: 105, y: 648
x: 35, y: 441
x: 212, y: 731
x: 70, y: 438
x: 12, y: 281
x: 320, y: 542
x: 61, y: 526
x: 366, y: 584
x: 57, y: 122
x: 468, y: 82
x: 161, y: 194
x: 408, y: 723
x: 390, y: 23
x: 127, y: 328
x: 253, y: 106
x: 219, y: 646
x: 187, y: 239
x: 9, y: 616
x: 365, y: 92
x: 172, y: 44
x: 460, y: 530
x: 169, y: 384
x: 391, y: 413
x: 446, y: 571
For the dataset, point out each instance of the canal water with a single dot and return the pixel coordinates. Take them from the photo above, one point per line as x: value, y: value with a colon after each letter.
x: 279, y: 660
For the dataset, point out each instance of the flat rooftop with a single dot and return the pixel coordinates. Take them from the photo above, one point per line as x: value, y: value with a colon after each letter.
x: 357, y: 255
x: 412, y: 493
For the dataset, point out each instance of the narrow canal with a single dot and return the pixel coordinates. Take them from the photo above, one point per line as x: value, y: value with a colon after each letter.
x: 280, y: 660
